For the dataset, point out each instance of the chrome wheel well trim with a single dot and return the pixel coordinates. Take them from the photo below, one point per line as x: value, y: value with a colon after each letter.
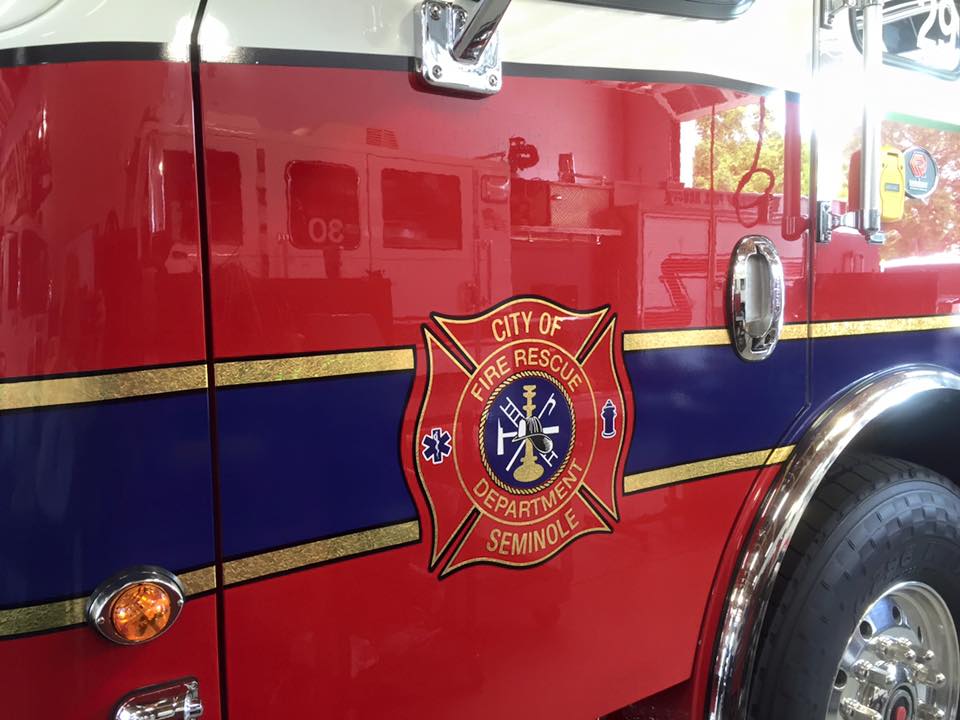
x: 781, y: 511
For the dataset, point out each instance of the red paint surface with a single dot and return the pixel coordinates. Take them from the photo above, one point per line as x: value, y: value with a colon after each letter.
x: 337, y: 222
x: 99, y: 269
x: 99, y: 249
x: 611, y: 619
x: 78, y: 674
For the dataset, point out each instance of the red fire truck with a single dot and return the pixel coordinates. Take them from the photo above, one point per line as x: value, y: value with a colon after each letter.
x: 561, y: 359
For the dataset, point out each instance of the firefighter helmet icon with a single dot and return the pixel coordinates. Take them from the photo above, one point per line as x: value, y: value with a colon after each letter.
x: 521, y: 453
x: 529, y: 391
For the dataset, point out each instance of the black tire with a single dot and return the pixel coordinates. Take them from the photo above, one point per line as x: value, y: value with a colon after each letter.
x: 875, y: 522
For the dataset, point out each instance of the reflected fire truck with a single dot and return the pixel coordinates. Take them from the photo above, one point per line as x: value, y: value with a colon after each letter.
x: 426, y: 359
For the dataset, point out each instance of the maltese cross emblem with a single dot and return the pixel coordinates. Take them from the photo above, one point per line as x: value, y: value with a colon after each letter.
x: 530, y: 394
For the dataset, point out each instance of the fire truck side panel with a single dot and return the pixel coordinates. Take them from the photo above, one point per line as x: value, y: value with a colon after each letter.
x: 104, y: 422
x: 348, y: 205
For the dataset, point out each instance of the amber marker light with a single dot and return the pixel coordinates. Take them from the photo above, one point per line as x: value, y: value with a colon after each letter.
x: 136, y: 606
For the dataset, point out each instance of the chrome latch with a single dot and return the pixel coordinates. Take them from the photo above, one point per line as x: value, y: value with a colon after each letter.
x: 756, y: 297
x: 828, y: 221
x: 179, y: 700
x: 459, y: 50
x: 829, y: 9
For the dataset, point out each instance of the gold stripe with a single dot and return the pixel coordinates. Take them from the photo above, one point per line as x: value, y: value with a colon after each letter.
x: 794, y: 331
x: 42, y: 617
x: 49, y: 616
x: 674, y: 339
x: 661, y: 340
x: 246, y: 372
x: 96, y: 388
x: 889, y: 325
x: 199, y: 581
x: 780, y: 455
x: 269, y: 563
x: 704, y: 468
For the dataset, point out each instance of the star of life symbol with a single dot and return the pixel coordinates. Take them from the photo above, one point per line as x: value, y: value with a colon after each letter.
x: 531, y: 396
x: 436, y: 446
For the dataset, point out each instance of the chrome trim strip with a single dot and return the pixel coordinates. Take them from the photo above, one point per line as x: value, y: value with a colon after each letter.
x: 781, y: 512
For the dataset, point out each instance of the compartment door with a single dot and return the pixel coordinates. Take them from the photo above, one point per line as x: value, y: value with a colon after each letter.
x: 482, y: 432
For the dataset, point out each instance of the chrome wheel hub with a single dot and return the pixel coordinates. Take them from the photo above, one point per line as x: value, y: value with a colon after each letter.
x: 902, y: 661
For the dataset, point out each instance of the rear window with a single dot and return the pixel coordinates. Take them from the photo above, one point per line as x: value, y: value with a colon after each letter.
x: 919, y: 34
x: 709, y: 9
x: 407, y: 225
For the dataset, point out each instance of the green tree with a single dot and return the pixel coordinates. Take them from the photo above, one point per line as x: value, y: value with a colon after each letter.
x: 928, y: 226
x: 735, y: 143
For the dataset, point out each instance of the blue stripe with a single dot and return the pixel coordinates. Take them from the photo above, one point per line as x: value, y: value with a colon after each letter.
x: 89, y: 490
x: 311, y: 459
x: 842, y: 361
x: 704, y: 402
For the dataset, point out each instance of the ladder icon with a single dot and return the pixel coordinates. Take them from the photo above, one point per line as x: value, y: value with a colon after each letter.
x: 513, y: 413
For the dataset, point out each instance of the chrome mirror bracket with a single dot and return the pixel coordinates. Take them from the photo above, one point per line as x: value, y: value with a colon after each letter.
x: 458, y: 50
x: 867, y: 220
x: 828, y: 221
x: 829, y: 9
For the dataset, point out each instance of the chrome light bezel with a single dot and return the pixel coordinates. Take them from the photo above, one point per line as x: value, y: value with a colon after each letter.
x: 101, y: 601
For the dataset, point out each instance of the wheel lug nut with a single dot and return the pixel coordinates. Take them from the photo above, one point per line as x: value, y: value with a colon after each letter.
x: 926, y: 656
x: 850, y: 709
x: 923, y: 674
x: 896, y: 649
x: 878, y: 674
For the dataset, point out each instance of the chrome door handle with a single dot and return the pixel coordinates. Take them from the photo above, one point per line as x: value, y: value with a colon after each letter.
x: 178, y: 700
x: 756, y: 297
x: 460, y: 50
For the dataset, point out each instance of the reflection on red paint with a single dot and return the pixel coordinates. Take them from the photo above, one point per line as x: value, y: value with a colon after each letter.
x: 609, y: 198
x: 99, y: 245
x: 342, y: 224
x: 489, y: 642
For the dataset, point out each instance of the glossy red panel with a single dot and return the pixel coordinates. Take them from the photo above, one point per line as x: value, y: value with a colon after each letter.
x: 99, y: 247
x: 611, y: 619
x: 917, y: 271
x: 338, y: 222
x: 78, y: 674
